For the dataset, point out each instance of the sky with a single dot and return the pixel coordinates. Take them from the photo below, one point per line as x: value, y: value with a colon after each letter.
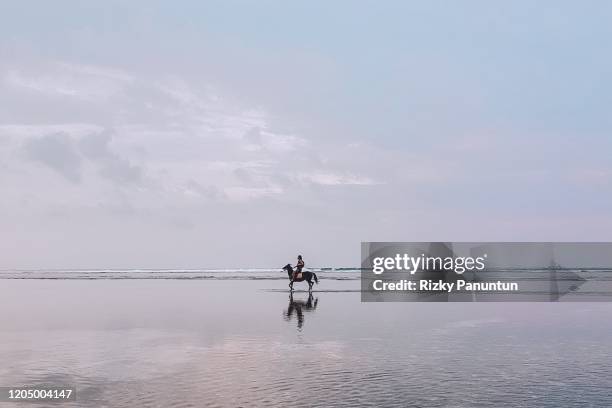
x: 224, y: 134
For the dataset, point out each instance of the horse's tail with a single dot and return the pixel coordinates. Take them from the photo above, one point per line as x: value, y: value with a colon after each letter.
x: 315, y: 276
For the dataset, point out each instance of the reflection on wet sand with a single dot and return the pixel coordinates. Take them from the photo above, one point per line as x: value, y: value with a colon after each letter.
x: 299, y: 306
x: 179, y: 343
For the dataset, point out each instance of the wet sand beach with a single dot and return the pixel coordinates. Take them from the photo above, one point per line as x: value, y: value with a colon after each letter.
x: 188, y: 343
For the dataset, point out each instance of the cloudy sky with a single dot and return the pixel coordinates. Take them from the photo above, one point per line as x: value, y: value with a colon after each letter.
x: 239, y: 134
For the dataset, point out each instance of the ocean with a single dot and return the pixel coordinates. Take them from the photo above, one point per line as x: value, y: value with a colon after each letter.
x: 230, y: 338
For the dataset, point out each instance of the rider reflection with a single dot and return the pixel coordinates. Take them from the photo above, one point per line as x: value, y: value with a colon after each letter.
x: 299, y: 307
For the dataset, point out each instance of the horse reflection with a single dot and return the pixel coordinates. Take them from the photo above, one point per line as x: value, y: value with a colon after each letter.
x: 299, y: 307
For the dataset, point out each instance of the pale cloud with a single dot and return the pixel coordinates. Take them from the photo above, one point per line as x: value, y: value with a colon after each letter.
x: 180, y: 91
x: 89, y: 83
x: 333, y: 179
x: 257, y: 139
x: 21, y: 130
x: 57, y: 152
x: 218, y: 165
x: 67, y: 154
x: 249, y: 193
x: 96, y: 147
x: 187, y: 141
x: 193, y: 188
x: 96, y: 71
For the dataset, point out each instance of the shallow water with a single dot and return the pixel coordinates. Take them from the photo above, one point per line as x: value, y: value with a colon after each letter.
x: 181, y: 343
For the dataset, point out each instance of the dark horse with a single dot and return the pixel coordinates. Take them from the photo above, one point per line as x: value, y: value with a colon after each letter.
x: 306, y: 276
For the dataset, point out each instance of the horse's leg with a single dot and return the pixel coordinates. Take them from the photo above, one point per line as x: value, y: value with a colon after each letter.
x: 309, y: 286
x: 291, y: 286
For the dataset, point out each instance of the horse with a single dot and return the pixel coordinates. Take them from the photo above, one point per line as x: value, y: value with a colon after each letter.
x: 306, y: 276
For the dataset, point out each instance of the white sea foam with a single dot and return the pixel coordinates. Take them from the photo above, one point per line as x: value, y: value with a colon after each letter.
x: 215, y: 274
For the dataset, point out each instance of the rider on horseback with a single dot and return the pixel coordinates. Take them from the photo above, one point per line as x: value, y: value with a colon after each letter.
x: 298, y: 267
